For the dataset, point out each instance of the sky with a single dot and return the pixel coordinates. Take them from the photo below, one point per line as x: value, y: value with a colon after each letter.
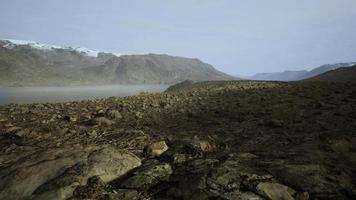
x: 239, y: 37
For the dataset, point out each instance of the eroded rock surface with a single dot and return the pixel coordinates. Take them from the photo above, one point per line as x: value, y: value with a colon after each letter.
x: 55, y: 173
x: 217, y: 140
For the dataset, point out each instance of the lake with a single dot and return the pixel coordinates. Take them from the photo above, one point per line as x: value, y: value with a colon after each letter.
x: 75, y: 93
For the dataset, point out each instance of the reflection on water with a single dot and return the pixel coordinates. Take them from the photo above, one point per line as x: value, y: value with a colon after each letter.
x: 64, y: 94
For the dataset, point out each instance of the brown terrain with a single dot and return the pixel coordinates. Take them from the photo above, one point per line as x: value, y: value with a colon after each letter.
x: 343, y: 74
x: 206, y: 140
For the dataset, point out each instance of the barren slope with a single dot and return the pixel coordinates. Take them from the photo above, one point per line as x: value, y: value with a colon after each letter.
x: 226, y: 140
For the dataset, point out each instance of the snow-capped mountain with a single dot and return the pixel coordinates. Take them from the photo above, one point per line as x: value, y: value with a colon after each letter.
x: 11, y: 43
x: 28, y: 63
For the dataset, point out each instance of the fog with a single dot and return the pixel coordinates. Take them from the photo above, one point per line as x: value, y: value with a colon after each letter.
x: 65, y: 94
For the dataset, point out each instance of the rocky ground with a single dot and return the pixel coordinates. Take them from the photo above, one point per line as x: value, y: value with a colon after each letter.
x: 209, y: 140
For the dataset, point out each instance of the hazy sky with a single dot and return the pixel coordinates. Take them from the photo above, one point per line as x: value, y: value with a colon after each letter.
x: 238, y: 37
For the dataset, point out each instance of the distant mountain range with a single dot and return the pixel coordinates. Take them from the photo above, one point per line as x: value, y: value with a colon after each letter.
x: 298, y: 75
x: 342, y: 74
x: 28, y: 63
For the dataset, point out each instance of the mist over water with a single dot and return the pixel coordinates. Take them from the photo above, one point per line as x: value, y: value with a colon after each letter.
x: 64, y: 94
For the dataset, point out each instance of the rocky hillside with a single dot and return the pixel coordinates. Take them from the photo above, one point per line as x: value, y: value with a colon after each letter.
x: 299, y: 75
x: 28, y: 66
x: 30, y: 63
x: 344, y: 74
x: 209, y: 140
x: 157, y: 69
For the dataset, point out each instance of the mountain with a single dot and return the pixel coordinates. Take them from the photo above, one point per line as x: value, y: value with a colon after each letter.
x: 298, y: 75
x: 157, y: 69
x: 326, y: 68
x: 27, y: 63
x: 11, y: 44
x: 343, y: 74
x: 280, y: 76
x: 34, y: 64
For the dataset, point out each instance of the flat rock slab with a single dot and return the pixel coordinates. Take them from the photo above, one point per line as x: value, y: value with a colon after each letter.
x: 56, y: 172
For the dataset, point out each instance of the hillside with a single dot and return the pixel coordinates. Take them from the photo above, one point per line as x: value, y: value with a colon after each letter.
x: 29, y: 63
x: 279, y: 76
x: 25, y: 65
x: 298, y: 75
x: 158, y: 69
x: 208, y: 140
x: 344, y: 74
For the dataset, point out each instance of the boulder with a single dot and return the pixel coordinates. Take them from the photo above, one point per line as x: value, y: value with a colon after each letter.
x: 203, y: 146
x: 275, y: 191
x: 186, y: 149
x: 148, y: 175
x: 101, y: 121
x: 56, y: 172
x: 94, y: 189
x: 111, y: 163
x: 114, y: 114
x: 156, y: 149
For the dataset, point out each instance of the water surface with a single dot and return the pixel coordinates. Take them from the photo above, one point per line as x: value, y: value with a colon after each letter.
x: 75, y: 93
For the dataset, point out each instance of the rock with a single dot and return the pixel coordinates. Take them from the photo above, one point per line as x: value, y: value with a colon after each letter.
x: 138, y: 115
x: 94, y: 189
x: 8, y: 125
x: 148, y: 175
x: 12, y: 138
x: 275, y: 191
x: 13, y: 129
x: 204, y: 145
x: 69, y: 118
x: 248, y: 196
x: 100, y: 111
x: 111, y: 163
x: 276, y: 123
x: 312, y: 178
x: 127, y: 194
x: 179, y: 158
x: 246, y: 156
x: 114, y: 114
x: 17, y: 131
x: 87, y: 116
x: 302, y: 196
x: 192, y: 146
x: 56, y: 172
x: 192, y: 180
x: 156, y: 149
x: 34, y: 171
x: 92, y: 134
x: 11, y: 148
x: 101, y: 121
x: 212, y: 179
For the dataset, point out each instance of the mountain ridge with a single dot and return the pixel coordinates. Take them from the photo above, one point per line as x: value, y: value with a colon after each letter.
x: 290, y: 75
x: 342, y: 74
x: 35, y: 64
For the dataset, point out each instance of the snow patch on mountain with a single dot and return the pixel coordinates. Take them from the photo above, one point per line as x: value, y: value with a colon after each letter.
x: 11, y: 43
